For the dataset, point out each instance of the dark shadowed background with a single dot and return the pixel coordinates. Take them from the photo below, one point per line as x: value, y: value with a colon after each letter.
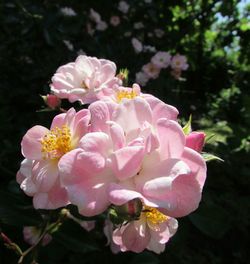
x: 36, y: 37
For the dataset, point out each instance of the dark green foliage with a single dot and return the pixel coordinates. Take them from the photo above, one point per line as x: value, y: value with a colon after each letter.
x: 215, y: 37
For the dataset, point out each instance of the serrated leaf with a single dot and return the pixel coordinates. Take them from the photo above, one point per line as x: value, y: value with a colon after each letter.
x: 209, y: 157
x: 187, y: 129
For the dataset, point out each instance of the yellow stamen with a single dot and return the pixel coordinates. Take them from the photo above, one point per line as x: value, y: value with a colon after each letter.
x: 84, y: 85
x: 56, y: 143
x: 154, y: 217
x: 125, y: 94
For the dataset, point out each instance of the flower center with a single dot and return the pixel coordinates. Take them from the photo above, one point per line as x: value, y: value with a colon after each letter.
x: 125, y: 94
x: 56, y: 143
x: 154, y: 216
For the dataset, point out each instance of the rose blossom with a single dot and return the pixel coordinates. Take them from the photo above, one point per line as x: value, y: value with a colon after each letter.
x: 161, y: 59
x: 115, y: 21
x: 85, y: 80
x: 152, y: 231
x: 136, y: 149
x: 43, y: 148
x: 179, y: 62
x: 151, y: 70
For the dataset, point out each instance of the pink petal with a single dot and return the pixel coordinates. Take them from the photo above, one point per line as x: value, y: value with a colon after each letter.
x: 171, y: 137
x: 31, y: 143
x: 126, y: 162
x: 77, y: 165
x: 136, y: 236
x: 99, y: 116
x: 45, y: 174
x: 160, y: 109
x: 132, y: 114
x: 197, y: 165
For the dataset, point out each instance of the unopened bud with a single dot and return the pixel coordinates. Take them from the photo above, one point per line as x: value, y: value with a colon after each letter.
x: 123, y: 75
x: 52, y: 101
x: 126, y: 212
x: 195, y: 140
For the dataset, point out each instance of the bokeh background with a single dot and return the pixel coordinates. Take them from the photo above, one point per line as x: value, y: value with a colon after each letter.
x: 39, y: 36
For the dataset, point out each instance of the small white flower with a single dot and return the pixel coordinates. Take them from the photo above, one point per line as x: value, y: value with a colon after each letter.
x: 123, y: 7
x: 137, y: 45
x: 161, y: 59
x: 101, y: 26
x: 68, y: 44
x: 68, y: 11
x: 94, y: 16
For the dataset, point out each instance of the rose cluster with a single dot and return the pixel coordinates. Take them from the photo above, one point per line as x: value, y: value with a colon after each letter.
x: 125, y: 154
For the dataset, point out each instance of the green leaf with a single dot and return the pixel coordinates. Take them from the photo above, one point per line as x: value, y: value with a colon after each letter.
x: 209, y: 157
x: 187, y: 129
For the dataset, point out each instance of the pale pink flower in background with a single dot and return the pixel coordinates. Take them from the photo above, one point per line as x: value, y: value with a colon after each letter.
x: 161, y: 59
x: 151, y: 70
x: 142, y: 78
x: 68, y: 11
x: 94, y: 16
x: 31, y: 235
x: 138, y: 25
x: 43, y: 148
x: 159, y: 33
x: 148, y: 48
x: 137, y: 45
x: 152, y: 231
x: 115, y: 21
x: 123, y: 7
x: 68, y: 44
x: 85, y: 80
x: 101, y: 26
x: 179, y: 62
x: 195, y: 140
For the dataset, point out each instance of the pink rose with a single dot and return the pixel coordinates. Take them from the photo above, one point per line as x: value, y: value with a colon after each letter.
x: 43, y: 148
x: 161, y: 59
x: 136, y: 149
x: 115, y: 21
x: 152, y: 231
x: 85, y: 80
